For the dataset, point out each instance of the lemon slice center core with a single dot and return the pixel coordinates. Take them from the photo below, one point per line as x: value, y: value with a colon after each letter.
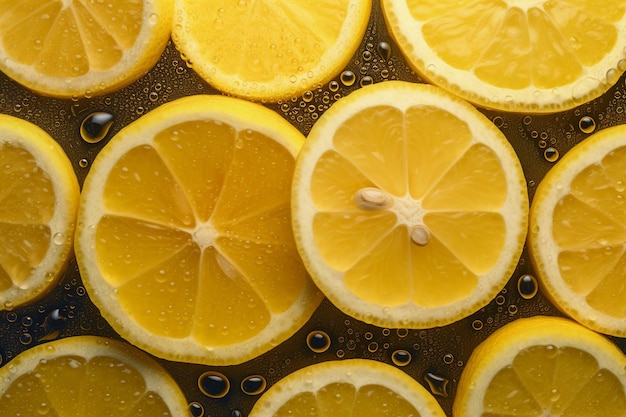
x: 204, y: 235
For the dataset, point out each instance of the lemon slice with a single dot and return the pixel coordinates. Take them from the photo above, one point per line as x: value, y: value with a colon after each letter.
x: 38, y: 202
x: 409, y: 206
x: 352, y: 387
x: 265, y: 49
x: 80, y: 48
x: 543, y: 366
x: 578, y: 231
x: 184, y: 236
x: 88, y: 376
x: 536, y: 57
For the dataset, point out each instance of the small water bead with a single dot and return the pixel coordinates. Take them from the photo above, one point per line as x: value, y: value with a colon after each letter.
x: 196, y: 409
x: 384, y: 50
x: 214, y: 384
x: 551, y: 154
x: 401, y: 357
x: 348, y: 78
x: 438, y: 385
x: 27, y: 321
x: 367, y: 80
x: 236, y: 413
x: 527, y: 286
x: 448, y: 358
x: 11, y: 316
x: 307, y: 96
x: 367, y: 55
x: 26, y: 338
x: 333, y: 86
x: 95, y: 127
x: 477, y: 324
x: 402, y: 332
x: 253, y: 384
x: 372, y: 347
x: 318, y: 341
x: 83, y: 163
x: 587, y: 124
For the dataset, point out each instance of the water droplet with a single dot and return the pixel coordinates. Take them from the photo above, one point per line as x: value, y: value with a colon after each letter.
x: 95, y: 127
x: 448, y: 358
x: 401, y: 357
x: 52, y: 325
x: 365, y: 81
x: 527, y: 120
x: 587, y: 124
x: 402, y: 332
x: 58, y: 238
x: 253, y: 384
x: 27, y: 321
x: 527, y: 286
x: 551, y: 154
x: 367, y: 55
x: 196, y: 409
x: 318, y: 341
x: 307, y: 96
x: 333, y: 86
x: 347, y: 78
x: 372, y: 347
x: 551, y: 351
x: 83, y: 163
x: 26, y: 338
x: 477, y: 325
x: 438, y: 385
x: 384, y: 50
x: 214, y: 384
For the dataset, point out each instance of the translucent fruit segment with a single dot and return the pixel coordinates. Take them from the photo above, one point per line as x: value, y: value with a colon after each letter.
x: 72, y: 386
x: 303, y: 35
x: 545, y: 46
x: 27, y: 202
x: 93, y: 37
x: 546, y: 380
x: 346, y: 400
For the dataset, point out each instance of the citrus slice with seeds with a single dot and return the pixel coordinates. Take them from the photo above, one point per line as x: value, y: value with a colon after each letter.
x: 81, y: 48
x: 536, y: 57
x: 352, y: 387
x: 543, y: 366
x: 409, y: 206
x: 269, y: 50
x: 578, y: 232
x: 184, y: 236
x: 38, y: 202
x: 87, y: 376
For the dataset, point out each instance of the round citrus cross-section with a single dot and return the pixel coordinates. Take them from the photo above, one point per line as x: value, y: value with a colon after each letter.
x: 81, y: 48
x: 348, y: 388
x: 409, y: 206
x: 536, y: 57
x: 578, y: 232
x: 184, y: 235
x: 39, y: 196
x: 543, y: 366
x: 269, y: 50
x: 88, y: 375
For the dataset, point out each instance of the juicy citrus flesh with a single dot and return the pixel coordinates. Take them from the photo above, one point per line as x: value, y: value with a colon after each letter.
x: 543, y: 366
x: 354, y: 387
x: 540, y: 56
x: 186, y: 242
x: 66, y: 48
x: 452, y: 217
x: 39, y: 200
x: 578, y: 232
x: 88, y: 376
x: 269, y: 50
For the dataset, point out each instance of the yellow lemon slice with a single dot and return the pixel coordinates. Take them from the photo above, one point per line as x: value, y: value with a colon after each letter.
x: 542, y: 56
x: 75, y: 48
x: 543, y: 366
x: 267, y: 49
x: 348, y: 388
x: 409, y: 206
x: 184, y: 238
x: 88, y: 376
x: 578, y: 231
x: 38, y: 202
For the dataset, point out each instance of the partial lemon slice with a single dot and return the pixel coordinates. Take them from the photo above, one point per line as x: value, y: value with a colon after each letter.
x: 184, y: 236
x: 578, y: 232
x: 267, y: 49
x: 543, y: 366
x: 541, y: 56
x: 38, y: 202
x: 88, y: 376
x: 76, y: 48
x: 348, y: 388
x: 409, y: 206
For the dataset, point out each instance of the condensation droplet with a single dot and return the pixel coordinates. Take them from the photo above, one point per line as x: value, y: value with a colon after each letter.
x: 438, y: 385
x: 384, y: 50
x: 527, y: 286
x: 448, y: 358
x: 551, y: 154
x: 348, y: 78
x: 318, y: 341
x: 83, y: 163
x: 95, y: 127
x: 253, y: 384
x: 587, y: 124
x: 401, y: 357
x: 477, y: 325
x: 214, y: 384
x: 365, y: 81
x: 196, y: 409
